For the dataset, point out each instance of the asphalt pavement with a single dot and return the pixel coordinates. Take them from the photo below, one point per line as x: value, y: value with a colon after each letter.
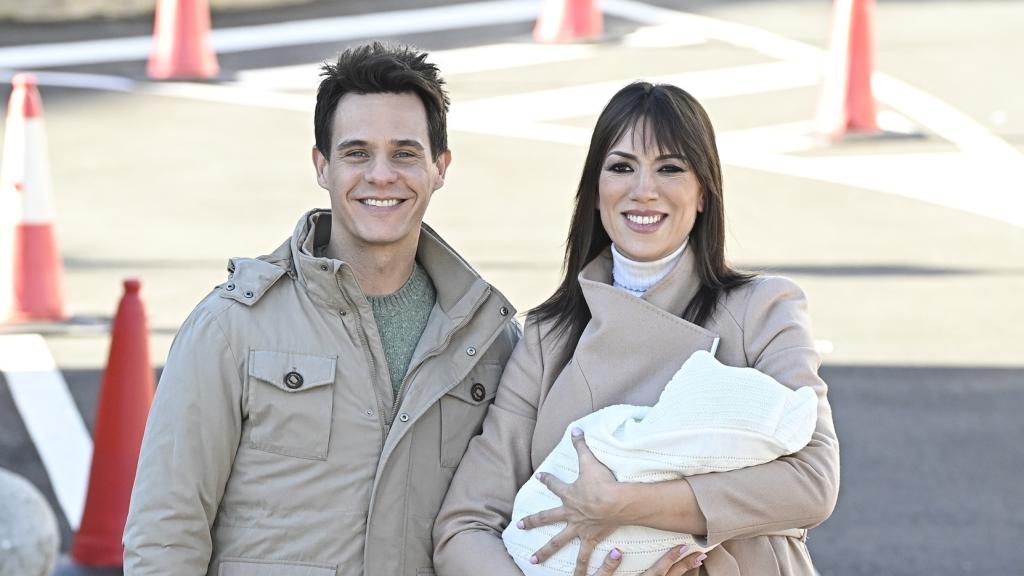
x: 911, y: 250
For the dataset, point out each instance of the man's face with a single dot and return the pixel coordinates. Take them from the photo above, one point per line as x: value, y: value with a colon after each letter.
x: 380, y: 174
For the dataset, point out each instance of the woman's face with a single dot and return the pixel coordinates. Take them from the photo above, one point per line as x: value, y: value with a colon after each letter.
x: 648, y: 199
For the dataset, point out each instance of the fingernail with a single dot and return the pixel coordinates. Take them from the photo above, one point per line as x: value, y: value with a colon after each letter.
x: 683, y: 550
x: 577, y: 432
x: 615, y: 554
x: 700, y: 559
x: 520, y: 524
x: 533, y: 559
x: 538, y: 476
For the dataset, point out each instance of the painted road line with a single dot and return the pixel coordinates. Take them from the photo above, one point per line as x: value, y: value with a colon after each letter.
x: 77, y: 80
x: 294, y: 33
x: 452, y: 62
x: 51, y: 418
x: 590, y: 99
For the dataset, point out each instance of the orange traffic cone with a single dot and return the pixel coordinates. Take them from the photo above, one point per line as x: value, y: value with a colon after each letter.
x: 125, y: 396
x: 31, y: 272
x: 847, y: 103
x: 181, y: 41
x: 568, y: 21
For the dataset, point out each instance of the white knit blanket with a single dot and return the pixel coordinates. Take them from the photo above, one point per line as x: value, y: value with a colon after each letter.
x: 709, y: 418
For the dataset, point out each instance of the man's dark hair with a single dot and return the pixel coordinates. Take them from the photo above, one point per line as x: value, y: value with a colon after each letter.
x: 382, y: 68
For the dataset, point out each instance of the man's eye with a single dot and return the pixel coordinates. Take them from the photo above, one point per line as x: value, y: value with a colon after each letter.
x: 355, y: 154
x: 620, y: 168
x: 404, y: 154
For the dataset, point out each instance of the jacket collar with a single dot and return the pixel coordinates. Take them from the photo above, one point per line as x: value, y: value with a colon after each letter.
x: 458, y: 286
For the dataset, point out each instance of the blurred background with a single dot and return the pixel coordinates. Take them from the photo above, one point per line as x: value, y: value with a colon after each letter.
x: 908, y: 237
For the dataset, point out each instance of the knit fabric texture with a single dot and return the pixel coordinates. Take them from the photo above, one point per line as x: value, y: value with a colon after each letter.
x: 636, y: 277
x: 401, y: 317
x: 709, y: 418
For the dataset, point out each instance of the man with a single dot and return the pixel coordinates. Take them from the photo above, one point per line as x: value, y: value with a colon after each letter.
x: 313, y: 407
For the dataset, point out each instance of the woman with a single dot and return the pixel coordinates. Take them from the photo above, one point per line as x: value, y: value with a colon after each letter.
x: 646, y: 285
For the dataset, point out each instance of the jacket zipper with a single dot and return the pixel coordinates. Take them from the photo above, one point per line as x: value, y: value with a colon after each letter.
x: 437, y: 349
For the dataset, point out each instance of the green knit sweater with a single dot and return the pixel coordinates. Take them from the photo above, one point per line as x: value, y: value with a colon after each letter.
x: 401, y: 318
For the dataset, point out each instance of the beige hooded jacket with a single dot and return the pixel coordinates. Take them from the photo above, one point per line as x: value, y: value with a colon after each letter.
x: 275, y: 446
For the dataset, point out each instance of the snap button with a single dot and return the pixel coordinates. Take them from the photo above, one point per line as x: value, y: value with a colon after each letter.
x: 503, y: 311
x: 230, y: 286
x: 471, y: 351
x: 477, y: 392
x: 369, y: 412
x: 293, y: 380
x: 403, y: 417
x: 248, y: 293
x: 323, y: 267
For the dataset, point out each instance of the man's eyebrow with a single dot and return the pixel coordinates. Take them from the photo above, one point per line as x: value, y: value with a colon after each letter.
x: 349, y: 143
x: 407, y: 143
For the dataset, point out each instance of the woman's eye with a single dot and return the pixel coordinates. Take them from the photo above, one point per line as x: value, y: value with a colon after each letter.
x: 620, y: 168
x: 672, y: 168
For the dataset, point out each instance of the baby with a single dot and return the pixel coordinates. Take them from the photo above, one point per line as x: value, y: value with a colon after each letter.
x: 709, y: 418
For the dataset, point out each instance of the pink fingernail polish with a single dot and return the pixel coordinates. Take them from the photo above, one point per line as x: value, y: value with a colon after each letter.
x: 682, y: 551
x: 577, y: 432
x: 533, y: 559
x: 520, y: 524
x: 615, y: 554
x: 701, y: 558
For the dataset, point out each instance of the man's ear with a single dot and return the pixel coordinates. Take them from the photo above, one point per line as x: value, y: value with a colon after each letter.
x: 320, y: 164
x: 444, y: 159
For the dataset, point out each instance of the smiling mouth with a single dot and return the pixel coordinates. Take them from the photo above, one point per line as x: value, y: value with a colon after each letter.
x: 645, y: 220
x: 381, y: 203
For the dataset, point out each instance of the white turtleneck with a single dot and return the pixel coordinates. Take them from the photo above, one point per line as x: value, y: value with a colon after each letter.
x: 637, y: 277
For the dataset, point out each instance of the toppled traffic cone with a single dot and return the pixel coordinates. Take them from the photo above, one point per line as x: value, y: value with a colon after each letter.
x: 847, y: 104
x: 181, y: 41
x: 125, y: 396
x: 568, y: 21
x: 31, y: 271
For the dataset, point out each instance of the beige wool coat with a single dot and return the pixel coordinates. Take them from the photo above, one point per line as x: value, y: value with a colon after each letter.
x: 275, y: 445
x: 627, y: 353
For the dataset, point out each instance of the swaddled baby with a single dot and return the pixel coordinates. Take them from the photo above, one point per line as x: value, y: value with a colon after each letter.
x: 709, y: 418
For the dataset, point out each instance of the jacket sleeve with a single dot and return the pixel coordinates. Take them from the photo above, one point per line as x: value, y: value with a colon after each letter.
x: 795, y: 491
x: 187, y: 453
x: 467, y: 533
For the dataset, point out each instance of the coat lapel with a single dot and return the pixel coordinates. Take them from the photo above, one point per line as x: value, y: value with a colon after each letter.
x: 649, y: 332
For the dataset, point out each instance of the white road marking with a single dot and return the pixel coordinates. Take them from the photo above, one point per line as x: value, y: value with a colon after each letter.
x: 77, y: 80
x: 51, y: 418
x: 451, y: 62
x: 294, y: 33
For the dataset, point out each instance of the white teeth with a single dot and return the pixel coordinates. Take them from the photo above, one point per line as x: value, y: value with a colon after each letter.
x: 644, y: 220
x: 380, y: 203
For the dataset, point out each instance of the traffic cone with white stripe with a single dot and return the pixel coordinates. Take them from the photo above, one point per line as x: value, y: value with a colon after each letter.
x: 31, y: 272
x: 181, y: 41
x: 568, y: 21
x: 847, y: 104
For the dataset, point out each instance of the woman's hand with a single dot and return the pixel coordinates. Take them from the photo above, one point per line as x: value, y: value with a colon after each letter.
x: 675, y: 562
x: 590, y: 507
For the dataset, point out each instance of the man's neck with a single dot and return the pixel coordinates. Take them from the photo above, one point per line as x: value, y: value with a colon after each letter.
x: 378, y: 270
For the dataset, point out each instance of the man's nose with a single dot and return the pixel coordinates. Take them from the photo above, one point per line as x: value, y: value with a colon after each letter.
x: 380, y: 171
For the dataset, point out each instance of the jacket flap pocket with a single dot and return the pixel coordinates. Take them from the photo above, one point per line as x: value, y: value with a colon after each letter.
x: 247, y: 567
x: 292, y: 372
